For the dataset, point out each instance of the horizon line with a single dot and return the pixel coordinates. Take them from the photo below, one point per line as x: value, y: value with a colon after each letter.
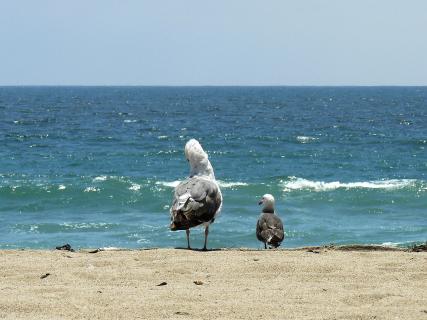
x: 215, y: 85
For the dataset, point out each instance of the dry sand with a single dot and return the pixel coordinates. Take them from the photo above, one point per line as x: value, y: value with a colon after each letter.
x: 231, y: 284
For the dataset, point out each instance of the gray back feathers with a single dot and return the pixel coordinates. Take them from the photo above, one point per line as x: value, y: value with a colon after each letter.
x: 196, y: 201
x: 269, y: 229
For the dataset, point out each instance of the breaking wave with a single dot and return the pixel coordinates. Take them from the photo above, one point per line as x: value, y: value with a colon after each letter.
x: 296, y: 183
x: 222, y: 184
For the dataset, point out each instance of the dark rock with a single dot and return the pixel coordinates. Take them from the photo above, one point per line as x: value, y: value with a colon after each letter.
x: 65, y: 247
x: 419, y: 247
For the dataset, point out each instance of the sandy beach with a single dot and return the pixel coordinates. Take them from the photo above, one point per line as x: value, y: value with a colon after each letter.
x: 225, y: 284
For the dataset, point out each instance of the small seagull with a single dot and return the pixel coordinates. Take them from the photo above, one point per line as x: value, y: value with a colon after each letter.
x: 198, y: 199
x: 269, y: 228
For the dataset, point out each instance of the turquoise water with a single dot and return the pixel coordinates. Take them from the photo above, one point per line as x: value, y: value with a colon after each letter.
x: 96, y: 166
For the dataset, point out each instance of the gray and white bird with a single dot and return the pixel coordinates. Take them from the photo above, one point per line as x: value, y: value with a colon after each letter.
x: 198, y: 199
x: 269, y: 228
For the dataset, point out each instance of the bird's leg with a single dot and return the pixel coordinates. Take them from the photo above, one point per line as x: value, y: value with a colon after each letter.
x: 265, y: 245
x: 206, y: 238
x: 187, y: 231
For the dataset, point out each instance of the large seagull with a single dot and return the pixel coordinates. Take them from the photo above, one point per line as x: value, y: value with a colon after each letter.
x: 198, y: 199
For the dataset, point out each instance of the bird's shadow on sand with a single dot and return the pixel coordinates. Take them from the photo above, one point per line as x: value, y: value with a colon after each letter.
x: 197, y: 249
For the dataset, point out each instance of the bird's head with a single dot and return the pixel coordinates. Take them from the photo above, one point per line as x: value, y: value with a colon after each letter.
x: 267, y: 201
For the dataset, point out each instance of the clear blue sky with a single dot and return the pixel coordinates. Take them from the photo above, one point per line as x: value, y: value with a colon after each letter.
x: 221, y: 42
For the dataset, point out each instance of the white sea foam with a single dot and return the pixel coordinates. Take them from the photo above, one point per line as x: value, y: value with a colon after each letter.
x: 110, y: 249
x: 391, y: 244
x: 303, y: 184
x: 135, y: 187
x: 222, y: 184
x: 129, y: 121
x: 305, y: 139
x: 100, y: 178
x: 171, y: 184
x: 61, y: 187
x: 399, y: 244
x: 227, y: 184
x: 91, y: 189
x: 90, y: 225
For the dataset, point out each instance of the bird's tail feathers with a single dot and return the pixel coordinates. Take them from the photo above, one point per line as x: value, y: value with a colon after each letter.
x: 181, y: 211
x: 274, y: 237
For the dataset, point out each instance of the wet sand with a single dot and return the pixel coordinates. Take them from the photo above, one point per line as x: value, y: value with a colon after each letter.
x: 225, y: 284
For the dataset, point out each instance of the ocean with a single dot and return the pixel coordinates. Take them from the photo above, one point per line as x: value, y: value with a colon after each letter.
x: 96, y: 166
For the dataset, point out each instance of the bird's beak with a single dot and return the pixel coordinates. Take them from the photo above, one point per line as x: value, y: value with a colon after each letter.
x: 260, y: 203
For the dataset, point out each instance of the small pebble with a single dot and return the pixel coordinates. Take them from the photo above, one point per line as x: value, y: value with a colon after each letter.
x: 198, y: 282
x: 162, y: 284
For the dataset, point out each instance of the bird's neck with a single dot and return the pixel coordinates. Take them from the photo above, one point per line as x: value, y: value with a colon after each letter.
x: 268, y: 210
x: 203, y: 168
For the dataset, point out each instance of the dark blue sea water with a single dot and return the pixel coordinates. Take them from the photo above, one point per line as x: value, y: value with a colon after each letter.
x: 96, y: 166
